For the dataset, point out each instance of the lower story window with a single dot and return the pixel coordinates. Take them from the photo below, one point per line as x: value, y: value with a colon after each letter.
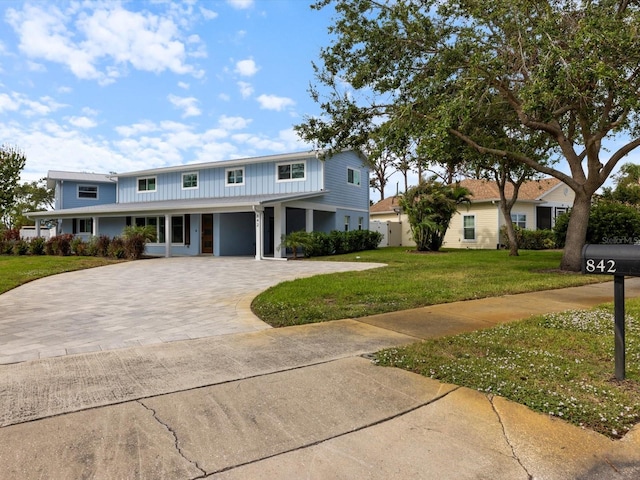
x: 519, y: 219
x: 85, y: 225
x: 347, y: 222
x: 177, y: 227
x: 469, y: 227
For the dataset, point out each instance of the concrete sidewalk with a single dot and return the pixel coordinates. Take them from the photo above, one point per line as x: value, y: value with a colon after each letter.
x: 292, y: 403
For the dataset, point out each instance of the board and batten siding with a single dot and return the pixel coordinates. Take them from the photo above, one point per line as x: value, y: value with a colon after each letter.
x: 486, y: 223
x: 69, y: 194
x: 259, y: 179
x: 340, y: 192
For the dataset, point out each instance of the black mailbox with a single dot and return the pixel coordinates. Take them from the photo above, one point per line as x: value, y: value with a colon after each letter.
x: 611, y: 260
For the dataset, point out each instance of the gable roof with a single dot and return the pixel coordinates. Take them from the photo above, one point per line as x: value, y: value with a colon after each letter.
x: 54, y: 175
x: 487, y: 190
x: 385, y: 206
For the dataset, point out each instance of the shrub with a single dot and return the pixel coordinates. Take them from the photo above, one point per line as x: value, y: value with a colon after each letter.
x: 337, y: 242
x: 36, y: 246
x: 78, y: 246
x: 102, y: 246
x: 20, y: 247
x: 92, y: 247
x: 116, y: 248
x: 530, y: 239
x: 135, y: 240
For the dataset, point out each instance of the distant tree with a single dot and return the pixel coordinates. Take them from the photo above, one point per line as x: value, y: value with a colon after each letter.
x: 31, y: 197
x: 569, y: 70
x: 12, y: 161
x: 627, y: 189
x: 430, y: 206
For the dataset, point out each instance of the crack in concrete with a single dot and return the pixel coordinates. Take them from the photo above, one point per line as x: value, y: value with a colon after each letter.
x: 506, y: 438
x: 319, y: 442
x: 175, y: 440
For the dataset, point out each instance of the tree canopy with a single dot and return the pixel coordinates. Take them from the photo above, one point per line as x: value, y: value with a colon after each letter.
x: 12, y: 161
x: 566, y: 71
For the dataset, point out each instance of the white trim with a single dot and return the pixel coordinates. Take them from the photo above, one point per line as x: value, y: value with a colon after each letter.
x: 197, y: 174
x: 155, y: 178
x: 355, y: 170
x: 291, y: 179
x: 90, y: 186
x: 475, y: 228
x: 226, y: 176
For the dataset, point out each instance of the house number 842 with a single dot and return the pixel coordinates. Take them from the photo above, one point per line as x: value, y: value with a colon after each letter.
x: 602, y: 266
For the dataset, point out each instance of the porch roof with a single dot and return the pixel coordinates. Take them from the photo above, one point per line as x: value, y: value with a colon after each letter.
x: 193, y: 205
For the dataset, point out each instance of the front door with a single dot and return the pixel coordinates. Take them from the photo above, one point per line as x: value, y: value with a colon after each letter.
x: 207, y: 233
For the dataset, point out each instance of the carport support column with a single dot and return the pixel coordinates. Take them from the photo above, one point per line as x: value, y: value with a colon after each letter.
x: 259, y: 211
x: 309, y: 220
x: 279, y: 230
x: 37, y: 227
x: 167, y: 236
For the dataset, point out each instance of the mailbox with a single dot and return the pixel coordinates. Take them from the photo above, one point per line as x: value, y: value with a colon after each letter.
x: 611, y: 260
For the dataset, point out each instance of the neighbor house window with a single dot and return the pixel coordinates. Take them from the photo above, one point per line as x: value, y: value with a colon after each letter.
x: 189, y: 180
x: 469, y: 227
x: 235, y: 176
x: 85, y: 225
x: 147, y: 184
x: 88, y: 191
x: 291, y: 171
x: 353, y: 176
x: 519, y: 219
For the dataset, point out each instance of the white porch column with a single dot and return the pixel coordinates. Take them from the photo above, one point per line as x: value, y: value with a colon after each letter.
x: 309, y: 220
x: 279, y: 230
x: 94, y: 226
x: 37, y: 227
x: 259, y: 211
x: 167, y: 236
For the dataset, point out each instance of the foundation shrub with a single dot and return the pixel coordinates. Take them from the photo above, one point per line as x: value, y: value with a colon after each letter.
x: 36, y: 246
x: 102, y: 246
x: 116, y: 248
x: 59, y: 245
x: 20, y: 247
x: 78, y: 246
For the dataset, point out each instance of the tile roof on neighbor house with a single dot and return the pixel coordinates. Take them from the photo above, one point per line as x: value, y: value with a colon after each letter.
x: 487, y: 190
x: 484, y: 191
x: 385, y: 206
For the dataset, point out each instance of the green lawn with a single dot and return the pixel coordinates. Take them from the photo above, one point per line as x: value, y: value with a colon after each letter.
x: 411, y: 280
x: 17, y: 270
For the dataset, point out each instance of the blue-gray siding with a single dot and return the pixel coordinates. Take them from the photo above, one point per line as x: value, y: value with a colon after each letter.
x: 106, y: 195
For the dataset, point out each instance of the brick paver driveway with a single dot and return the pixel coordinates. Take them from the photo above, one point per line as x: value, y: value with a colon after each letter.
x: 142, y: 302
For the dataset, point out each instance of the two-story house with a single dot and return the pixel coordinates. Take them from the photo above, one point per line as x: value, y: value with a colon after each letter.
x: 233, y: 207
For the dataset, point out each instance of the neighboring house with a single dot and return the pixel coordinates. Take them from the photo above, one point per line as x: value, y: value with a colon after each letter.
x: 387, y: 218
x: 478, y: 225
x: 234, y: 207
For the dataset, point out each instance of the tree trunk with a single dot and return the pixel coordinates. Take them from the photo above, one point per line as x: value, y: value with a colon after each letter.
x: 576, y: 233
x: 511, y: 232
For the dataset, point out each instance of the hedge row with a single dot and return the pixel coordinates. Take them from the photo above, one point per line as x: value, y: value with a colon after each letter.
x: 129, y: 246
x: 318, y: 244
x: 530, y: 239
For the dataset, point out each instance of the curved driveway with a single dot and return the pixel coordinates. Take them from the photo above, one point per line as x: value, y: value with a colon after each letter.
x: 140, y: 303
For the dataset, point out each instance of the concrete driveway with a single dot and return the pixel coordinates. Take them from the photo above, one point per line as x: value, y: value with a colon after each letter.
x: 141, y: 303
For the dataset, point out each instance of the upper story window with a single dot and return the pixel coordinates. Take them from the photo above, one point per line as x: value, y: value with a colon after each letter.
x: 235, y: 176
x: 88, y: 191
x: 353, y: 176
x: 519, y: 219
x: 189, y: 180
x: 147, y: 184
x: 291, y: 171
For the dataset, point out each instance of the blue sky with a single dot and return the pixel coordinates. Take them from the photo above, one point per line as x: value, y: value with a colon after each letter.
x: 108, y: 86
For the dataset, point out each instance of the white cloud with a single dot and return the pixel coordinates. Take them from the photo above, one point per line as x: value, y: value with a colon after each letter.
x: 246, y: 68
x: 82, y: 122
x: 17, y: 102
x: 183, y: 85
x: 136, y: 129
x: 246, y: 89
x: 188, y: 105
x: 8, y: 103
x: 208, y: 14
x: 100, y: 44
x: 273, y: 102
x: 233, y: 123
x: 224, y: 97
x: 240, y: 4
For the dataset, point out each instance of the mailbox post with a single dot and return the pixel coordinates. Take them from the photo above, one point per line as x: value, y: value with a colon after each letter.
x: 619, y: 261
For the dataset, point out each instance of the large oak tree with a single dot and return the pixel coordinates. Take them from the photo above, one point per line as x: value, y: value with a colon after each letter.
x: 568, y: 70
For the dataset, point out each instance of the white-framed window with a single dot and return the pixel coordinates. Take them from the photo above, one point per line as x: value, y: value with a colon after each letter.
x: 177, y: 227
x: 189, y: 180
x: 469, y: 227
x: 286, y: 172
x: 234, y: 176
x: 519, y: 219
x: 347, y: 223
x: 353, y: 176
x: 85, y: 225
x: 146, y: 184
x: 88, y: 191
